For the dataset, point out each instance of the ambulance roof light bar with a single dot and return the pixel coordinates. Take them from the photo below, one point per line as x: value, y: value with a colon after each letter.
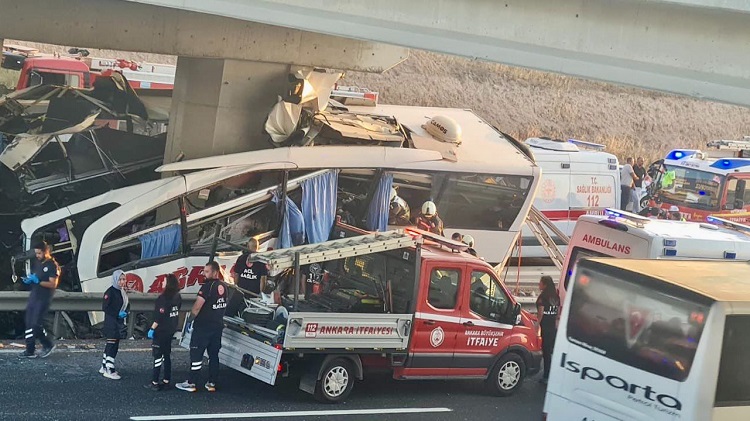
x: 592, y: 145
x: 728, y: 224
x: 638, y: 220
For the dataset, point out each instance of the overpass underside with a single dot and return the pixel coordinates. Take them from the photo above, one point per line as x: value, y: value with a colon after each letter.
x: 235, y: 55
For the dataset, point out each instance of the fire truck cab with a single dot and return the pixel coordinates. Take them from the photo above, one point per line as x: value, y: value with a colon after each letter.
x: 713, y: 183
x: 407, y: 301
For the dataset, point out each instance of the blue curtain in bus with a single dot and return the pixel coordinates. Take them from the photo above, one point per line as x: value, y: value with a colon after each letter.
x: 292, y: 231
x: 319, y: 206
x: 162, y: 242
x: 377, y: 214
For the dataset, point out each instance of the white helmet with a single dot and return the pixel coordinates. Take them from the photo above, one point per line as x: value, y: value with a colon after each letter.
x: 468, y: 240
x: 429, y: 209
x: 394, y: 195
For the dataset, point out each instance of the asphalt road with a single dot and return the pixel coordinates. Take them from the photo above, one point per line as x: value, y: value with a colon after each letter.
x: 67, y: 386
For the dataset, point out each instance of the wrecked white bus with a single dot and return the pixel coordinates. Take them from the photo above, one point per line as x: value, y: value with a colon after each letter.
x: 483, y: 187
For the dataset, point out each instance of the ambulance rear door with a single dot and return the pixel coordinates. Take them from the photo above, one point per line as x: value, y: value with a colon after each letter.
x: 553, y: 197
x: 594, y: 184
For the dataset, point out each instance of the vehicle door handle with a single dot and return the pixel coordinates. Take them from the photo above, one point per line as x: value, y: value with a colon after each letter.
x: 429, y: 322
x: 469, y: 323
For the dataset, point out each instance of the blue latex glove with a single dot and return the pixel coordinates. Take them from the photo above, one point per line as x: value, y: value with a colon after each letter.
x: 33, y: 279
x: 150, y: 334
x: 190, y: 327
x: 123, y: 314
x: 26, y: 281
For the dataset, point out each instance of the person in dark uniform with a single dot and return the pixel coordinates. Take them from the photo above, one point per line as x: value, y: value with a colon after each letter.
x: 115, y: 308
x: 45, y: 274
x: 548, y: 309
x: 398, y: 210
x: 249, y: 275
x: 428, y: 219
x: 166, y: 313
x: 207, y: 325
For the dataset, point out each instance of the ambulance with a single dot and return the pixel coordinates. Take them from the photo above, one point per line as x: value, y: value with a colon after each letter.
x: 578, y: 178
x: 709, y: 183
x: 626, y: 235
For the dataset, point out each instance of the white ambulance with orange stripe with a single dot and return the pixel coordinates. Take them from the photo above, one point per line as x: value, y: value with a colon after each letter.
x: 578, y: 178
x: 626, y: 235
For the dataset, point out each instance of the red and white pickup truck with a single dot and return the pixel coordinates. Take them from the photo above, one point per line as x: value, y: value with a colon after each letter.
x: 408, y: 301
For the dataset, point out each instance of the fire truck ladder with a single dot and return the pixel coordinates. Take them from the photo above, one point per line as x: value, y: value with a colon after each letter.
x: 295, y: 257
x: 734, y: 145
x: 539, y: 224
x: 279, y: 260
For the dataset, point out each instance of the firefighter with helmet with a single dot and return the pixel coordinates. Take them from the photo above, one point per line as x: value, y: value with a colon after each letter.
x: 399, y: 212
x: 675, y: 214
x: 428, y: 219
x: 469, y: 241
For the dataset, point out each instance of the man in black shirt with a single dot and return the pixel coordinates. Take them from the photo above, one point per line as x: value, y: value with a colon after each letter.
x: 43, y: 281
x: 249, y: 274
x: 207, y: 325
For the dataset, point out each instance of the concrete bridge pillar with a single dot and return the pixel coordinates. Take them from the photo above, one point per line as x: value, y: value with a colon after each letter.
x: 219, y: 106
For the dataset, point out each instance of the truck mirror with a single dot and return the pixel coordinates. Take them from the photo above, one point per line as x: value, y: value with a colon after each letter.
x: 517, y: 313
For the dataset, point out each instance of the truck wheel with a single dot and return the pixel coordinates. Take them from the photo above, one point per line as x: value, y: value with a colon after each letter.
x: 336, y: 381
x: 507, y: 375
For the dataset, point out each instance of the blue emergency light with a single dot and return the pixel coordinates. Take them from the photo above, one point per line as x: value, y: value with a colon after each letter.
x: 730, y: 255
x: 728, y: 164
x: 678, y: 154
x: 670, y: 252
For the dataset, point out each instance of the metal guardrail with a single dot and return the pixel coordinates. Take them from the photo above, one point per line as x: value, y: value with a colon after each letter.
x: 84, y: 301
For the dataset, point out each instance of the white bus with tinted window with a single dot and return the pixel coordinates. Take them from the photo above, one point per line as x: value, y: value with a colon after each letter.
x: 626, y: 235
x: 653, y: 340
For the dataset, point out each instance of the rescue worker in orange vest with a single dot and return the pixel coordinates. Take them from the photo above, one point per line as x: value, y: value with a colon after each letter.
x: 428, y: 219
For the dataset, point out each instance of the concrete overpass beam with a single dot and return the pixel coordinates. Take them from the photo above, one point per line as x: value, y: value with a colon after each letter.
x: 126, y: 26
x: 689, y: 47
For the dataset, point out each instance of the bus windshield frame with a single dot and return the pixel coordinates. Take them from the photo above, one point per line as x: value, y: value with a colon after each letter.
x: 636, y: 320
x: 694, y: 188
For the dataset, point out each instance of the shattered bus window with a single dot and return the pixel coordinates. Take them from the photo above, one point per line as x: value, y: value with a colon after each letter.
x: 122, y: 246
x: 482, y: 202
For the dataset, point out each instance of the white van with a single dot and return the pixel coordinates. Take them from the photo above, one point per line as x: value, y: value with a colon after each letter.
x: 578, y: 178
x: 626, y: 235
x: 653, y: 340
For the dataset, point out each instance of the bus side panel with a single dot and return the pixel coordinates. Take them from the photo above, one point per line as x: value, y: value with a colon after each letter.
x: 586, y: 377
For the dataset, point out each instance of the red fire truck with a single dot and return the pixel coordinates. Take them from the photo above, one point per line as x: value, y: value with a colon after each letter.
x: 407, y: 301
x: 81, y: 71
